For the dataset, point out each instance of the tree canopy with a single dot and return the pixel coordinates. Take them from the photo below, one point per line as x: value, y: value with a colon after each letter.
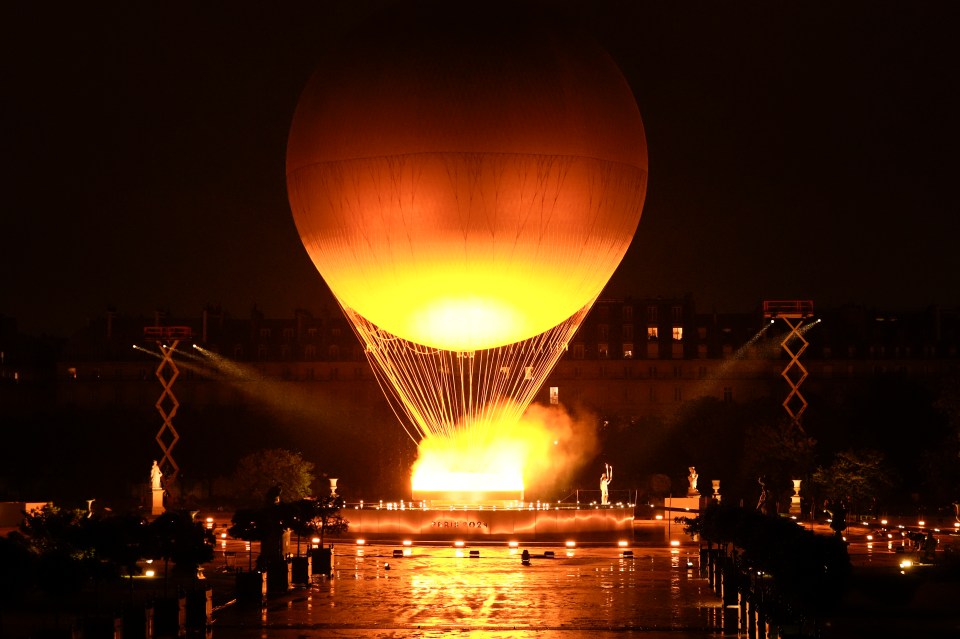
x: 269, y: 470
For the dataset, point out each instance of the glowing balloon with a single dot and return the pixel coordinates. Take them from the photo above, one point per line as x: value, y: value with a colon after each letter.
x: 466, y: 184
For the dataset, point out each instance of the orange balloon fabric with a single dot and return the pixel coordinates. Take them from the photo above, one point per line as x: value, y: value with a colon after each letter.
x: 467, y: 182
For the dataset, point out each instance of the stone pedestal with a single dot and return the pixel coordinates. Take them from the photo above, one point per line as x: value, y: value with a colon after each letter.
x: 795, y: 498
x: 156, y: 501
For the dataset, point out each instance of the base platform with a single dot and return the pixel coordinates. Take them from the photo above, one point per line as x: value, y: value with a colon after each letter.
x: 492, y: 524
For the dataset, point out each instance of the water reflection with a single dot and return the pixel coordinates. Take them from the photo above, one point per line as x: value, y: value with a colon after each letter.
x: 432, y: 591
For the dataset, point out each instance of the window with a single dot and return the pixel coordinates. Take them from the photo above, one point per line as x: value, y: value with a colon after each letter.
x: 652, y: 372
x: 265, y: 333
x: 554, y: 395
x: 701, y: 351
x: 528, y: 374
x: 603, y: 332
x: 628, y: 351
x: 288, y: 333
x: 628, y: 313
x: 311, y: 333
x: 677, y: 333
x: 578, y: 351
x: 676, y: 314
x: 285, y: 351
x: 677, y: 372
x: 261, y: 351
x: 628, y: 332
x: 310, y: 352
x: 336, y: 331
x: 702, y: 332
x: 652, y: 314
x: 652, y: 334
x: 334, y: 352
x: 728, y: 393
x: 603, y: 351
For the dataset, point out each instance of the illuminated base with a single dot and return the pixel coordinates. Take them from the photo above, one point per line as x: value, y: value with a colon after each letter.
x: 491, y: 524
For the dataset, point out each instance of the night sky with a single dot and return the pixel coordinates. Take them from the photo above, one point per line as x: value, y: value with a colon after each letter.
x: 797, y: 150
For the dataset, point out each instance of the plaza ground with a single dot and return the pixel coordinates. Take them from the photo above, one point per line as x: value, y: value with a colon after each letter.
x: 588, y: 591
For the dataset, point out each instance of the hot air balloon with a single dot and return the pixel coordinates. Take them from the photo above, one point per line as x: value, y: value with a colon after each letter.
x: 466, y: 182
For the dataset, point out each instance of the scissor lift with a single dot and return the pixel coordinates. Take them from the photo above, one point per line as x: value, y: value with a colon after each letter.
x: 794, y: 313
x: 167, y: 339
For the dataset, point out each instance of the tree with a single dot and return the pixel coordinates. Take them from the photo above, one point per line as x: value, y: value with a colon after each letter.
x: 857, y: 478
x: 269, y: 469
x: 175, y: 536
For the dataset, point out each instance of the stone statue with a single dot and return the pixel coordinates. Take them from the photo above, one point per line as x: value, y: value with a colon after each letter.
x: 155, y: 476
x: 692, y: 478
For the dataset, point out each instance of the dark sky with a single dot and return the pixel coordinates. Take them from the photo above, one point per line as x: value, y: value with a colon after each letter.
x: 797, y: 150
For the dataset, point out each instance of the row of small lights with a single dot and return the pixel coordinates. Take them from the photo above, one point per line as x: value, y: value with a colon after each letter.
x: 459, y: 543
x: 410, y: 505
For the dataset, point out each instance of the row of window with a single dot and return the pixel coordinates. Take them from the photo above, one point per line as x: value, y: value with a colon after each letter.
x: 653, y: 312
x: 651, y: 394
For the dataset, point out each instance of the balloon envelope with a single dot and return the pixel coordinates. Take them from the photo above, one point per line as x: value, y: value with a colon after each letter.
x: 468, y: 183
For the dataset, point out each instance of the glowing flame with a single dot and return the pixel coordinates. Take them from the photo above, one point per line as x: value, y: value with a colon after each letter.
x: 544, y: 447
x: 455, y: 465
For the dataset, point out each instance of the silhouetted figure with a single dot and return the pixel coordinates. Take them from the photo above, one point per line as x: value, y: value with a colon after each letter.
x: 525, y: 557
x: 763, y: 504
x: 838, y: 518
x: 928, y: 548
x: 273, y: 495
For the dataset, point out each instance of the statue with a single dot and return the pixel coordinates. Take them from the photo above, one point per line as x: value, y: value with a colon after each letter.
x: 692, y: 478
x: 605, y: 480
x: 156, y: 476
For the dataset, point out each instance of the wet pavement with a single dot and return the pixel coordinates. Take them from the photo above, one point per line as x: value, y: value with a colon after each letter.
x: 441, y: 590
